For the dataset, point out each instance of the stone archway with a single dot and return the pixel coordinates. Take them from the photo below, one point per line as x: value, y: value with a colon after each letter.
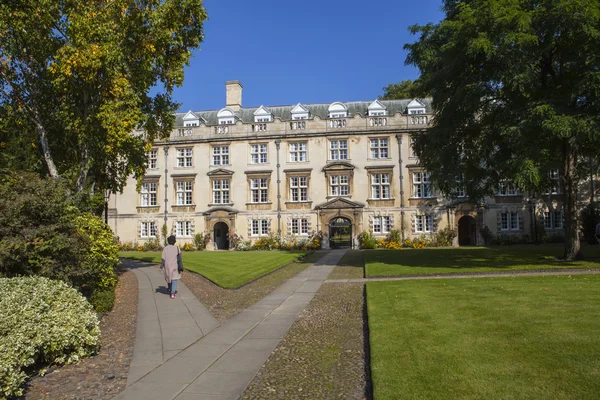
x: 340, y: 233
x: 221, y: 239
x: 467, y: 231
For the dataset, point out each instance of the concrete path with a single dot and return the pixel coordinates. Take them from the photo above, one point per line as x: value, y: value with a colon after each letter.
x: 221, y: 364
x: 165, y: 326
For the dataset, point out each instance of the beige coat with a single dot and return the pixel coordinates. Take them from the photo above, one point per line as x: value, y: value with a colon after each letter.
x: 169, y: 263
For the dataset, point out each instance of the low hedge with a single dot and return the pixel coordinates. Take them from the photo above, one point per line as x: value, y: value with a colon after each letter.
x: 42, y: 322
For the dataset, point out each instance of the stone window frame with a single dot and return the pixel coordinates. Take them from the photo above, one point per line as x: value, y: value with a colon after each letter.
x: 188, y: 228
x: 424, y: 219
x: 339, y: 149
x: 263, y: 227
x: 182, y: 159
x: 339, y: 168
x: 221, y: 190
x: 289, y: 174
x: 384, y: 228
x: 305, y: 151
x: 152, y: 159
x: 141, y: 197
x: 180, y: 179
x: 379, y: 147
x: 423, y: 184
x: 259, y: 153
x: 551, y: 217
x: 250, y: 175
x: 149, y: 234
x: 220, y: 155
x: 380, y: 184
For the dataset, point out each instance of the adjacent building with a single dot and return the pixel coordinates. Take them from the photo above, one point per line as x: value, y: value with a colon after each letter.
x: 340, y: 168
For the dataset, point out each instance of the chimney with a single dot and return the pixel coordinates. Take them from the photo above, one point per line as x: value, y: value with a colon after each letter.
x: 233, y: 95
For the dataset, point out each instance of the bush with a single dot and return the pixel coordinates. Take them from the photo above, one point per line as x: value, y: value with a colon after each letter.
x: 103, y: 300
x: 590, y: 216
x: 201, y: 240
x: 152, y: 245
x: 187, y: 247
x: 42, y: 322
x: 270, y: 242
x: 367, y: 241
x: 444, y: 237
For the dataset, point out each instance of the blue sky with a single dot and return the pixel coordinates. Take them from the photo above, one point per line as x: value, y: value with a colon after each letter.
x: 302, y: 51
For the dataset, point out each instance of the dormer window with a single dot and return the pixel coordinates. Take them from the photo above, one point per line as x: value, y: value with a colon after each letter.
x: 377, y: 109
x: 415, y: 107
x: 263, y: 115
x: 299, y: 112
x: 226, y: 117
x: 190, y: 119
x: 338, y: 110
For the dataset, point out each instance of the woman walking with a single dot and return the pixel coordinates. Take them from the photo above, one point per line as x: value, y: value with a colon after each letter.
x: 169, y: 265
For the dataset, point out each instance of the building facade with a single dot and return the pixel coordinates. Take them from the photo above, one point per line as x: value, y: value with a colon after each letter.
x: 340, y: 168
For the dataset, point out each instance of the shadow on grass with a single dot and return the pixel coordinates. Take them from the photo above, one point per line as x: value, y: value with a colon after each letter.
x: 367, y: 348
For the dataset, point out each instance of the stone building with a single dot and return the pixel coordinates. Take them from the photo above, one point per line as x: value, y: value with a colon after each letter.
x: 340, y: 168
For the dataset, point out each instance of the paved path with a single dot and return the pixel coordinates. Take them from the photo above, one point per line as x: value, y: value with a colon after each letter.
x: 590, y: 271
x: 220, y: 364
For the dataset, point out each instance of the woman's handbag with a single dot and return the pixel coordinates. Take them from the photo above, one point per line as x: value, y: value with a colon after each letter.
x: 179, y: 261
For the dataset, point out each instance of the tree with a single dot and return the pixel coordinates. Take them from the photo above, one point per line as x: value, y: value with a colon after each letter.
x: 515, y: 88
x: 81, y: 72
x: 399, y: 91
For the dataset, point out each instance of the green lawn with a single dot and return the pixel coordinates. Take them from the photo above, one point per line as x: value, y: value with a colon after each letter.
x: 227, y: 269
x: 486, y: 338
x: 471, y: 259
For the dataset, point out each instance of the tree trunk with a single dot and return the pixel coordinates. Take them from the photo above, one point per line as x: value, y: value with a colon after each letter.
x: 572, y: 249
x: 41, y: 131
x: 83, y: 169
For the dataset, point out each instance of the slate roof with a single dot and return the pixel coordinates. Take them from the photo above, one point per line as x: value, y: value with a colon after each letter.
x: 246, y: 115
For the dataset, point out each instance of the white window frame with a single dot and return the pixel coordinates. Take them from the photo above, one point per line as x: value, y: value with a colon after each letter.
x: 184, y: 228
x: 339, y: 185
x: 184, y: 193
x: 381, y: 187
x: 148, y: 230
x: 299, y: 226
x: 338, y: 149
x: 421, y: 185
x: 382, y: 224
x: 298, y: 151
x: 509, y: 221
x: 152, y: 162
x: 298, y: 188
x: 259, y: 190
x: 379, y: 148
x: 258, y: 153
x: 220, y: 155
x: 553, y: 220
x: 259, y: 227
x: 507, y: 188
x: 148, y: 194
x: 424, y: 223
x: 220, y: 190
x: 184, y: 157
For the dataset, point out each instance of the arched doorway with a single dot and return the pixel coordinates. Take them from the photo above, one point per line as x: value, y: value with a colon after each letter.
x: 340, y: 233
x: 220, y: 236
x: 467, y: 231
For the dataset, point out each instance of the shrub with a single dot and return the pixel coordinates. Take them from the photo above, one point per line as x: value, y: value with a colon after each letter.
x: 187, y: 247
x: 243, y: 245
x: 201, y: 240
x: 103, y: 300
x: 42, y: 322
x: 394, y: 236
x: 367, y: 241
x: 152, y: 245
x: 234, y: 240
x: 444, y: 237
x: 127, y: 246
x: 270, y: 242
x: 488, y: 236
x: 590, y: 216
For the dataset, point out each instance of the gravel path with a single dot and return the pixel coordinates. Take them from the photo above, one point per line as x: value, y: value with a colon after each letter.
x: 225, y: 303
x: 323, y: 354
x: 104, y: 375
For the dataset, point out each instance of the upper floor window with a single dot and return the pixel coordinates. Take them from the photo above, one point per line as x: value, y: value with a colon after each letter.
x: 380, y: 186
x: 338, y: 149
x: 337, y: 110
x: 259, y: 189
x: 379, y: 148
x: 376, y: 109
x: 148, y: 229
x: 191, y: 119
x: 184, y: 193
x: 258, y: 153
x: 299, y: 226
x: 509, y: 221
x: 298, y: 188
x: 148, y: 194
x: 554, y: 181
x: 262, y: 114
x: 220, y: 191
x: 184, y: 157
x: 415, y: 107
x: 421, y: 185
x: 152, y: 159
x: 412, y: 142
x: 298, y: 152
x: 507, y: 188
x: 225, y: 116
x: 382, y: 224
x: 423, y: 223
x: 220, y: 155
x: 299, y: 112
x: 338, y: 185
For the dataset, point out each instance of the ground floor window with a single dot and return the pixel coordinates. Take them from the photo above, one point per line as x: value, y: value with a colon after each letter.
x: 382, y: 224
x: 423, y: 223
x: 553, y: 220
x: 148, y: 230
x: 509, y: 221
x: 260, y: 227
x: 184, y: 228
x: 299, y: 226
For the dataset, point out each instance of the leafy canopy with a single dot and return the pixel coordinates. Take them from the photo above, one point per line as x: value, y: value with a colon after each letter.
x: 82, y: 71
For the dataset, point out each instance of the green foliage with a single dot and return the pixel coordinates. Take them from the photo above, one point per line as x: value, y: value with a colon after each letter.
x: 164, y: 234
x: 42, y: 322
x: 366, y: 240
x: 395, y: 235
x: 152, y: 244
x: 590, y: 217
x: 515, y: 94
x: 488, y: 236
x: 444, y: 237
x: 84, y: 75
x: 399, y: 91
x: 103, y: 301
x: 201, y: 240
x: 270, y: 242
